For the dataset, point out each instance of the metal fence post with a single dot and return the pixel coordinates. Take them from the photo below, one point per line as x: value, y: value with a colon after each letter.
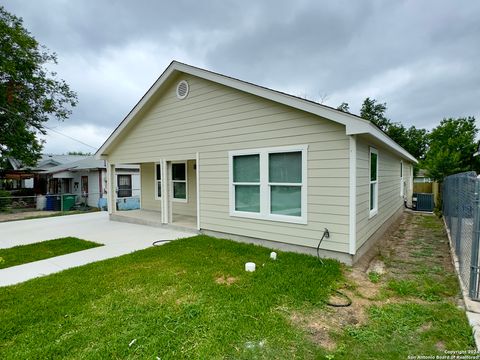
x: 473, y: 286
x: 458, y: 234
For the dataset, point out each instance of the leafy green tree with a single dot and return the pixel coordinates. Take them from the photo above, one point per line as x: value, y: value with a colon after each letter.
x: 414, y: 140
x: 29, y: 93
x: 451, y: 148
x: 375, y: 112
x: 344, y: 107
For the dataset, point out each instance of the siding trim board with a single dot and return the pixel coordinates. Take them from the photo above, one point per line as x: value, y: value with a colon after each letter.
x: 353, y: 195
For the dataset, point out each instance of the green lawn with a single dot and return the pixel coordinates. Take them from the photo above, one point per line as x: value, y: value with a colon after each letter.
x: 187, y: 299
x: 43, y: 250
x: 192, y: 299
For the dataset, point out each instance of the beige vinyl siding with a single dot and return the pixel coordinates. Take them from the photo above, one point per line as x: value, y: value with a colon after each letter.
x: 389, y: 199
x: 147, y: 177
x: 190, y: 207
x: 215, y: 119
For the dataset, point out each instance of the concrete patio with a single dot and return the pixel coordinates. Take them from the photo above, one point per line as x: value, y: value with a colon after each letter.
x: 119, y: 238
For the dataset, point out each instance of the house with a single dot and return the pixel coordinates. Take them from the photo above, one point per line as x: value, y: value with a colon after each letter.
x: 422, y: 177
x: 240, y: 161
x: 16, y: 176
x: 87, y: 179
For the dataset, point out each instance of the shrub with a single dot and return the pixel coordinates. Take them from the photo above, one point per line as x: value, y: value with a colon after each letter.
x: 5, y: 200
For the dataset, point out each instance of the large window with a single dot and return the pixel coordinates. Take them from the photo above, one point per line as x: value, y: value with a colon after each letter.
x: 158, y: 181
x: 269, y: 183
x: 179, y: 181
x: 373, y: 181
x: 124, y: 183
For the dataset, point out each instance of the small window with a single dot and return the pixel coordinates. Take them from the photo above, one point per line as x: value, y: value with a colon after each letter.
x: 124, y: 183
x: 373, y: 181
x: 269, y: 183
x: 179, y: 181
x: 158, y: 181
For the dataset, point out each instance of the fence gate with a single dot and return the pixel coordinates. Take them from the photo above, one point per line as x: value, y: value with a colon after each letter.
x: 461, y: 195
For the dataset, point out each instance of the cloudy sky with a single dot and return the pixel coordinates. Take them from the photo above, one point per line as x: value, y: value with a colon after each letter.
x: 420, y: 57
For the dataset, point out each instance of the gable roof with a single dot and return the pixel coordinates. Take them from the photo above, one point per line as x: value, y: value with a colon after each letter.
x: 83, y: 164
x: 354, y: 124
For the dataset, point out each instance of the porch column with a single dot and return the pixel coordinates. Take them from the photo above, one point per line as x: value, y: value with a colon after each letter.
x: 165, y: 205
x: 111, y: 189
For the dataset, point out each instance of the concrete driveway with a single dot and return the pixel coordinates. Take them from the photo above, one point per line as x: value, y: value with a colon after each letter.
x: 119, y: 239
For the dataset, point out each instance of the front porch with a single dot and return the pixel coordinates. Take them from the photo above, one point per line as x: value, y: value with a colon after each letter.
x: 168, y: 195
x: 153, y: 218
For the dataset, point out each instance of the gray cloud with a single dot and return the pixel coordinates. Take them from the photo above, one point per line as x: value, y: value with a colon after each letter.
x: 422, y: 58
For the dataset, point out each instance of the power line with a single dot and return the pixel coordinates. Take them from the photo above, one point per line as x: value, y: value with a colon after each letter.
x: 68, y: 136
x: 55, y: 131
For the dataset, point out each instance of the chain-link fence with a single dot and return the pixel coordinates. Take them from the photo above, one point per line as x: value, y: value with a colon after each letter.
x: 16, y: 204
x: 462, y: 217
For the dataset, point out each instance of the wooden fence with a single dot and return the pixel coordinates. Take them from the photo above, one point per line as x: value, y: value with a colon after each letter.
x: 429, y: 188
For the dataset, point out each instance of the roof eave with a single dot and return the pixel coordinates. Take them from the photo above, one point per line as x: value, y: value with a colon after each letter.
x: 353, y: 124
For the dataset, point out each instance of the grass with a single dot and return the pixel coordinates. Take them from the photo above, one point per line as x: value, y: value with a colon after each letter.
x: 374, y: 277
x: 187, y: 299
x: 425, y: 274
x: 422, y: 291
x: 192, y: 299
x: 43, y: 250
x: 398, y: 330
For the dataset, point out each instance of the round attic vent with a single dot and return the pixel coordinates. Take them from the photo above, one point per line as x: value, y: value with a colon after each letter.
x: 182, y: 89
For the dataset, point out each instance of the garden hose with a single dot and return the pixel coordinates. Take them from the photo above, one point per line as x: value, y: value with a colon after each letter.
x: 158, y: 242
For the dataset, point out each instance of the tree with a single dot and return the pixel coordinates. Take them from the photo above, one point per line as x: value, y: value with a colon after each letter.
x: 79, y: 153
x: 413, y: 140
x: 344, y: 107
x: 375, y: 112
x: 451, y: 148
x: 29, y: 93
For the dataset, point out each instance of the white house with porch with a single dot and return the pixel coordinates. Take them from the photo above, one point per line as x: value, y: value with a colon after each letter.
x: 237, y: 160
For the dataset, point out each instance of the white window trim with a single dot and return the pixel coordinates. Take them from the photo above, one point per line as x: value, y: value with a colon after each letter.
x: 264, y: 213
x: 374, y: 211
x: 156, y: 181
x: 402, y: 169
x: 174, y: 181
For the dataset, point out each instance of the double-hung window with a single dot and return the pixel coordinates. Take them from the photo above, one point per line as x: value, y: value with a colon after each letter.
x: 158, y: 181
x: 373, y: 181
x: 179, y: 181
x: 269, y: 184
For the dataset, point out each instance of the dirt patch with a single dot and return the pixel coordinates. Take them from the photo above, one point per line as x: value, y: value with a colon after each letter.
x: 23, y: 215
x: 226, y: 280
x: 414, y: 247
x: 425, y: 327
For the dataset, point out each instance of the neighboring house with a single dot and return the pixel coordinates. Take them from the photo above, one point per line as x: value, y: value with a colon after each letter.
x: 17, y: 176
x: 240, y: 161
x: 86, y: 178
x: 422, y: 177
